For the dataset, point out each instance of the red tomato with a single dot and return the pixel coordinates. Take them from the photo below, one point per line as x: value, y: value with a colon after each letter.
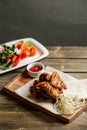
x: 17, y: 61
x: 25, y: 53
x: 18, y: 45
x: 24, y: 46
x: 32, y: 51
x: 8, y: 59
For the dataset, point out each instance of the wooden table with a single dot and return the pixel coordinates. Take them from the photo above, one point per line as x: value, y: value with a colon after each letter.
x: 16, y: 115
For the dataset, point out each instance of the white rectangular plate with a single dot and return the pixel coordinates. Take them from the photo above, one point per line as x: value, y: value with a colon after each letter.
x: 75, y: 86
x: 41, y: 53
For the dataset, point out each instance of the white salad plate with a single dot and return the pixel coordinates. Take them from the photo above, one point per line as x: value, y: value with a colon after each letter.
x: 41, y: 53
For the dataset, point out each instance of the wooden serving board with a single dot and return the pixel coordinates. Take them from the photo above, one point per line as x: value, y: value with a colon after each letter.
x: 21, y: 80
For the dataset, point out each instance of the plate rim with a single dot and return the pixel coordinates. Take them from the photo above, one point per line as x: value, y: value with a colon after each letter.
x: 37, y: 44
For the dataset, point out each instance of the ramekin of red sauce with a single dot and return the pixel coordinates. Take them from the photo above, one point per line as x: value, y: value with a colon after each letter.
x: 35, y: 69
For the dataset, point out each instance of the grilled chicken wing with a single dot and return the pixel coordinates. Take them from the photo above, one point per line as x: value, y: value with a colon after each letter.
x: 56, y: 81
x: 45, y: 88
x: 49, y: 89
x: 44, y: 77
x: 48, y: 86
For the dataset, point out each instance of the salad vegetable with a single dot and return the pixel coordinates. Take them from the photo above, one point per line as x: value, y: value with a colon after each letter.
x: 11, y: 56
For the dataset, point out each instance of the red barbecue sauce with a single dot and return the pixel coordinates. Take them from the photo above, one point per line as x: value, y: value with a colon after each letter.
x: 35, y: 68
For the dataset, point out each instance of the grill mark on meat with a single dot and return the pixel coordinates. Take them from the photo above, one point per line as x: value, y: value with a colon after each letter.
x: 48, y: 86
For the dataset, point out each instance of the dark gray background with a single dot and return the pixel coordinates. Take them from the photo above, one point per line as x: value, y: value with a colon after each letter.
x: 51, y: 22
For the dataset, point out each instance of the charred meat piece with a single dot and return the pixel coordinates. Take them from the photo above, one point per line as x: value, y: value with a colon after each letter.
x: 45, y: 88
x: 48, y: 86
x: 36, y: 90
x: 56, y: 81
x: 44, y: 77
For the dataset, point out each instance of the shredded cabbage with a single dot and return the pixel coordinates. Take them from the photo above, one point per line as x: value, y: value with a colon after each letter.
x: 67, y: 104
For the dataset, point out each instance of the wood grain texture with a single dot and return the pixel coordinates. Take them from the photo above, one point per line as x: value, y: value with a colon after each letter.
x: 67, y: 52
x: 67, y: 65
x: 16, y: 115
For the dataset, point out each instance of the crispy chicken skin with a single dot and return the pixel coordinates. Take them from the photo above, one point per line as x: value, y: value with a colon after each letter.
x: 56, y: 81
x: 44, y: 77
x: 48, y: 86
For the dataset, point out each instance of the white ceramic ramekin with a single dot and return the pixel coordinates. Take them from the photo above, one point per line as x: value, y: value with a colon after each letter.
x: 35, y: 74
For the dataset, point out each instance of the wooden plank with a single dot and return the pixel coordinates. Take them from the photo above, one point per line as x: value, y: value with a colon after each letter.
x: 22, y: 120
x: 67, y: 52
x: 67, y: 65
x: 16, y: 115
x: 4, y: 79
x: 79, y: 75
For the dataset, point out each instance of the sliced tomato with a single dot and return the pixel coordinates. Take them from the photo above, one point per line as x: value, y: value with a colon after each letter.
x: 8, y: 59
x: 17, y: 61
x: 25, y: 53
x: 24, y: 46
x: 32, y: 51
x: 26, y: 50
x: 18, y: 44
